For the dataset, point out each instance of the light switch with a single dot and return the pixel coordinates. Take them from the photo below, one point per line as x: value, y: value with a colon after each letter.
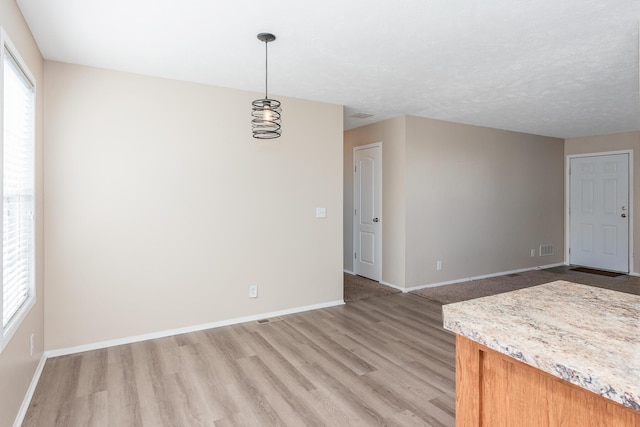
x: 321, y: 212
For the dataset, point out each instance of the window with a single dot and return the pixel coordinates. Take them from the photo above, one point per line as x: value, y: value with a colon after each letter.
x: 17, y: 123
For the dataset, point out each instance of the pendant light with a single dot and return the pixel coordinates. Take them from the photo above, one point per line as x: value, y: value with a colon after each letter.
x: 266, y: 112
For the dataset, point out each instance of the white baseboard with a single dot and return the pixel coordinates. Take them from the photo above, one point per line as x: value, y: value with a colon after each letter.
x: 350, y: 272
x: 32, y: 388
x: 484, y: 276
x: 544, y: 267
x: 178, y: 331
x: 391, y: 285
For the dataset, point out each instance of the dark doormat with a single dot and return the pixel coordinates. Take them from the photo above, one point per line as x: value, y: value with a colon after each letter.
x: 598, y: 272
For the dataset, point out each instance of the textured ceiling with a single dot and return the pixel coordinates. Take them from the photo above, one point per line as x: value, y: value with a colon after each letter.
x: 561, y: 68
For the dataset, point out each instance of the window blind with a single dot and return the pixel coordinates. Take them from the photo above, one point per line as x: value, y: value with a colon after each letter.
x: 17, y: 187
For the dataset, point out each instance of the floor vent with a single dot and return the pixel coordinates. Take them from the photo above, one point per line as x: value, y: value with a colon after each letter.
x: 546, y: 250
x: 270, y: 320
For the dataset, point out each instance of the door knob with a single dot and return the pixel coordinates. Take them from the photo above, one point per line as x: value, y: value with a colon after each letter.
x: 375, y: 220
x: 623, y: 215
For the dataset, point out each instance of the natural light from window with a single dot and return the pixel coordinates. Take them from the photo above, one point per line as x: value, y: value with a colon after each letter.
x: 18, y: 97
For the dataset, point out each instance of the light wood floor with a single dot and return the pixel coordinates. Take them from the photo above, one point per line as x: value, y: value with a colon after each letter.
x: 378, y: 361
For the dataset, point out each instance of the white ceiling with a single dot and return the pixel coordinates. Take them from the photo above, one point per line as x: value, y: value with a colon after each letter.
x: 561, y: 68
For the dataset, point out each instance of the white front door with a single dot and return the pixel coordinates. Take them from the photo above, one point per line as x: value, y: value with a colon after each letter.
x: 599, y: 212
x: 367, y: 204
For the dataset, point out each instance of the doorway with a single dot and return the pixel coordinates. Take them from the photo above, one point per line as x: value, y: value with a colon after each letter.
x: 599, y: 212
x: 367, y: 203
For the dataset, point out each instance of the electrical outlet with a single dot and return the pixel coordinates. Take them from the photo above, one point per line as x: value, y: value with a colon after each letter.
x: 438, y: 265
x: 253, y: 291
x: 533, y: 252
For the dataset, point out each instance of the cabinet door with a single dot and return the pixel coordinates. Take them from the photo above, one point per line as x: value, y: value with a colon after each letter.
x: 494, y: 390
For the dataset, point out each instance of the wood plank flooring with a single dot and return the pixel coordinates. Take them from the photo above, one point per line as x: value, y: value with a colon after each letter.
x: 378, y: 361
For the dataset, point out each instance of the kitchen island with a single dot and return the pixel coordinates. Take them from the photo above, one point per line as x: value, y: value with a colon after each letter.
x: 558, y: 354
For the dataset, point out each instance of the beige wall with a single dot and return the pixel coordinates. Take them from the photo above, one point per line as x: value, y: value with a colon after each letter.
x: 162, y: 209
x: 615, y: 142
x: 479, y: 200
x: 392, y: 135
x: 16, y: 365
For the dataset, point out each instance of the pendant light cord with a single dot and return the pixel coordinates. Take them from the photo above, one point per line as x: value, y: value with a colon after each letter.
x: 266, y: 70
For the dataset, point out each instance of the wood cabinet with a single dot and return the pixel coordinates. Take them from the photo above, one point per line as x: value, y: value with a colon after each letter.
x: 495, y: 390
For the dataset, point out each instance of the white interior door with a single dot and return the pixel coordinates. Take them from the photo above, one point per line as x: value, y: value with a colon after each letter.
x: 367, y: 244
x: 599, y: 212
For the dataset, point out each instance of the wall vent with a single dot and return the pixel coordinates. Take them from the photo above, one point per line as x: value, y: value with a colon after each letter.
x: 361, y: 116
x: 546, y: 250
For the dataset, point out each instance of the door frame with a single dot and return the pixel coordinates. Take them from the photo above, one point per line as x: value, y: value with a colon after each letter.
x: 355, y: 234
x: 567, y: 202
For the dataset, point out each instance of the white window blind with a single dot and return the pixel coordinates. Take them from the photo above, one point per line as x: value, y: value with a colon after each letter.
x: 18, y: 123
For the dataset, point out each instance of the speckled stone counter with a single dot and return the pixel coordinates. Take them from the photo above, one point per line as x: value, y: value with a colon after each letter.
x: 585, y: 335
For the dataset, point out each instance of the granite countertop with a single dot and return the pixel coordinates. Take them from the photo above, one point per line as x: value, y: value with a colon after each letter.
x: 582, y: 334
